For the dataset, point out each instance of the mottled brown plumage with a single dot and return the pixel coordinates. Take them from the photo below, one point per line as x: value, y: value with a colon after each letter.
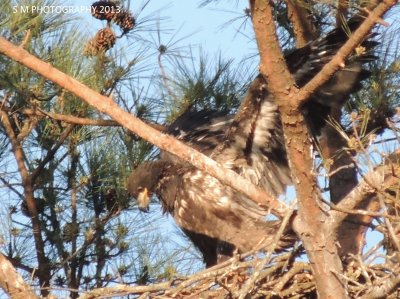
x: 215, y: 217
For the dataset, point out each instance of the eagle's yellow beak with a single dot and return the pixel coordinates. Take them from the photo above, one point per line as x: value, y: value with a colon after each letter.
x: 143, y: 200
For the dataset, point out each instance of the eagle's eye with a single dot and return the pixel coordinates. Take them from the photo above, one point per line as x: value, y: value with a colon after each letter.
x: 140, y: 189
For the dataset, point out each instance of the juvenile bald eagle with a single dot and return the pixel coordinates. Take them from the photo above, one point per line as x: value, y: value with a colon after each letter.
x: 215, y: 217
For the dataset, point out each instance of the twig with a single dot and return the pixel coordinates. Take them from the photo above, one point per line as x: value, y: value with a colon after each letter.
x: 9, y: 186
x: 360, y: 212
x: 373, y: 250
x: 392, y: 234
x: 297, y: 289
x: 383, y: 288
x: 340, y: 169
x: 83, y: 121
x: 26, y: 39
x: 43, y: 273
x: 125, y: 289
x: 297, y: 267
x: 50, y: 154
x: 270, y: 249
x: 364, y: 270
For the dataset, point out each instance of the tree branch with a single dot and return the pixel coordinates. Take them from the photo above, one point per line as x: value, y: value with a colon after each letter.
x: 164, y: 142
x: 204, y: 282
x: 304, y: 30
x: 125, y: 289
x: 350, y: 233
x: 377, y: 180
x: 12, y: 283
x: 338, y: 60
x: 50, y: 154
x: 342, y: 179
x: 43, y: 270
x: 82, y: 121
x: 342, y: 9
x: 386, y: 286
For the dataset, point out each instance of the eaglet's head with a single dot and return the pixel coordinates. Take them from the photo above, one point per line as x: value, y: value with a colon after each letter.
x: 142, y: 181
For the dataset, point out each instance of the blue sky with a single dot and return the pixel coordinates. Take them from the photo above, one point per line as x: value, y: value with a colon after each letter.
x: 210, y: 26
x: 207, y: 27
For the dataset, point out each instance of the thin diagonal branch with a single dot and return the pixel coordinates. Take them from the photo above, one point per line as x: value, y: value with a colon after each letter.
x: 12, y: 283
x: 338, y: 60
x: 82, y: 121
x: 50, y: 154
x: 378, y: 180
x: 164, y: 142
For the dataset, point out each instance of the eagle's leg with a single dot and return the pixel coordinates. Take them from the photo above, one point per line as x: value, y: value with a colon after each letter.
x: 225, y: 251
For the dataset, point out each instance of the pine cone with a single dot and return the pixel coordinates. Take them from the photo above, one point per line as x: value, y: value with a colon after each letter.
x: 125, y: 20
x: 70, y: 231
x: 102, y: 41
x: 104, y: 10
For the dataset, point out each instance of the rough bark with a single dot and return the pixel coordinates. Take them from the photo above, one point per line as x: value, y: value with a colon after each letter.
x: 12, y: 283
x: 303, y: 29
x: 342, y: 179
x: 314, y: 223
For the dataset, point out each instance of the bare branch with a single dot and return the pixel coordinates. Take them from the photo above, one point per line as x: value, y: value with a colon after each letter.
x: 338, y: 60
x: 382, y: 288
x: 361, y: 212
x: 83, y: 121
x: 12, y: 283
x: 71, y: 119
x: 124, y: 289
x: 50, y: 154
x: 304, y: 30
x: 164, y: 142
x: 205, y: 282
x: 378, y: 180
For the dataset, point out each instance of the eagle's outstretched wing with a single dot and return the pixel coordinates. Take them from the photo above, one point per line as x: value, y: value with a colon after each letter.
x: 254, y: 144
